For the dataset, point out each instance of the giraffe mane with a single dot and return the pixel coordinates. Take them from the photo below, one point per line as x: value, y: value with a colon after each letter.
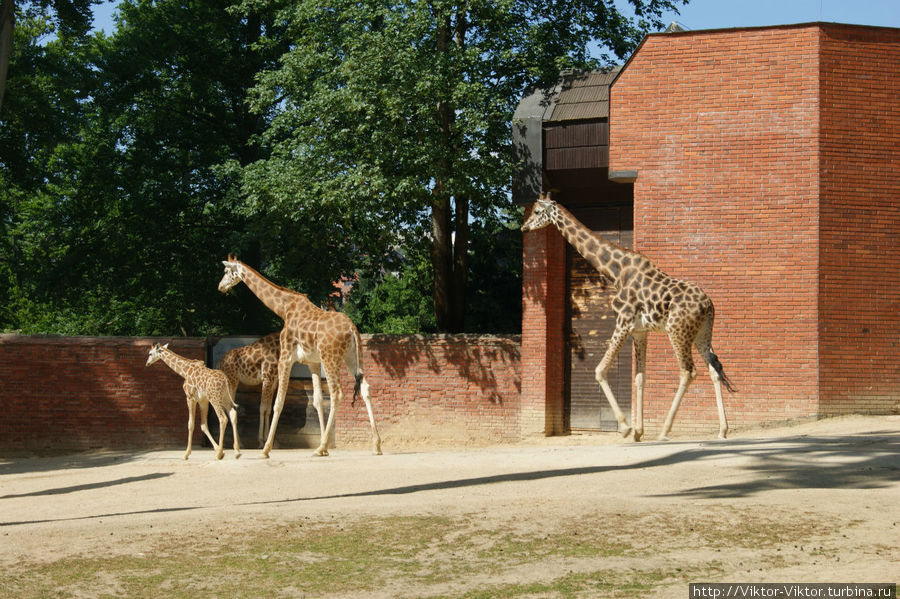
x: 257, y: 273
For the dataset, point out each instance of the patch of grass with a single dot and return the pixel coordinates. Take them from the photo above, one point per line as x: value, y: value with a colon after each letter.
x: 419, y: 556
x: 600, y: 583
x: 318, y: 560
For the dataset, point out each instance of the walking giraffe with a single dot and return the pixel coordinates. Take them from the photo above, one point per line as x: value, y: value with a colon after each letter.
x: 646, y: 300
x: 202, y: 386
x: 311, y: 336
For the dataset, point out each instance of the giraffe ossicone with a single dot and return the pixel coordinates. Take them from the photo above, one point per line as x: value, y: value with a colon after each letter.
x: 646, y: 300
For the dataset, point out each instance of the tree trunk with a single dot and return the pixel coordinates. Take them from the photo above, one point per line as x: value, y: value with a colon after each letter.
x: 450, y: 262
x: 449, y: 255
x: 7, y: 23
x: 460, y: 265
x: 441, y: 258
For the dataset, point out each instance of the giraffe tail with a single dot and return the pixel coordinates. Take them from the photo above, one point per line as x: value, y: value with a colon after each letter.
x: 713, y: 360
x: 356, y: 387
x: 358, y: 375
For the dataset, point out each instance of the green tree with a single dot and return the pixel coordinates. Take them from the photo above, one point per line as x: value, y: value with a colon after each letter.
x: 72, y: 18
x: 391, y: 120
x: 46, y: 107
x: 384, y: 300
x: 114, y: 208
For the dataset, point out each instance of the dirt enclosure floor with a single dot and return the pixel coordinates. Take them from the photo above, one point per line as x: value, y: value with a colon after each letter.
x: 578, y: 516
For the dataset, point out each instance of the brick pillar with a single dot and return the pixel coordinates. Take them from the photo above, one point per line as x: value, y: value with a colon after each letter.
x: 543, y: 318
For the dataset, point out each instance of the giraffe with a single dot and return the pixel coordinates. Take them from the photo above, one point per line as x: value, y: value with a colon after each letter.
x: 255, y: 364
x: 311, y: 336
x: 646, y: 300
x: 202, y: 386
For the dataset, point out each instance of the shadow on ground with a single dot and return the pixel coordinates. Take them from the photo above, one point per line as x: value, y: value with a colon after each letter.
x: 862, y: 461
x: 68, y: 461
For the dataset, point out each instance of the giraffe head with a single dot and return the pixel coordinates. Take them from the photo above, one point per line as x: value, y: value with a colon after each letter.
x: 156, y: 352
x: 542, y: 215
x: 232, y: 274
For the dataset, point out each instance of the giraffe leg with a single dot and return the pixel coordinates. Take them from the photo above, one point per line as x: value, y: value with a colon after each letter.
x: 318, y: 402
x: 192, y: 408
x: 232, y: 415
x: 376, y: 439
x: 640, y: 359
x: 204, y: 413
x: 352, y: 360
x: 623, y: 329
x: 284, y: 379
x: 332, y: 375
x: 703, y: 343
x: 717, y: 384
x: 223, y: 424
x: 688, y: 374
x: 265, y: 409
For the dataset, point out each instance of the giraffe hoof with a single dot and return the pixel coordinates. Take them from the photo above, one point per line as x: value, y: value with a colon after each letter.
x: 663, y: 438
x: 638, y: 435
x: 624, y: 430
x: 237, y: 456
x: 320, y: 453
x: 722, y: 434
x: 264, y: 455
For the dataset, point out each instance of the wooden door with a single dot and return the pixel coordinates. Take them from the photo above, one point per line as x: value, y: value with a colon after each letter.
x: 590, y: 324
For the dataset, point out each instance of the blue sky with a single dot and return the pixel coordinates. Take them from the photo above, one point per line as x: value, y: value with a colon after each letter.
x: 719, y: 14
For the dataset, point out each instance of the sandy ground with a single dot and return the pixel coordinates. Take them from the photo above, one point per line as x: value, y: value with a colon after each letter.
x: 834, y: 483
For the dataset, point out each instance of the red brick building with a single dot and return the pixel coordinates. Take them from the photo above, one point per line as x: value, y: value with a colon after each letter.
x: 762, y: 164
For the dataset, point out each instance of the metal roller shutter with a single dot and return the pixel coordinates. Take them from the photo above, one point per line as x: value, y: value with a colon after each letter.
x: 590, y: 323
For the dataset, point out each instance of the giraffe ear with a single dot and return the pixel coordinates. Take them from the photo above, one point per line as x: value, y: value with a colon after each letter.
x: 166, y: 346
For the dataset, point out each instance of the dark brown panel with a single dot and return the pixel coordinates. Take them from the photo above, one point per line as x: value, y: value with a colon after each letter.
x: 576, y: 158
x: 574, y: 135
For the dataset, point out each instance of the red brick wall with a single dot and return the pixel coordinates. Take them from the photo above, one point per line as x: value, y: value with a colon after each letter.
x: 73, y: 393
x: 859, y: 342
x: 436, y: 388
x: 67, y: 393
x: 722, y: 128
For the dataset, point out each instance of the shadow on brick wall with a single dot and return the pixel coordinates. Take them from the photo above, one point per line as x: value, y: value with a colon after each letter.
x: 475, y: 359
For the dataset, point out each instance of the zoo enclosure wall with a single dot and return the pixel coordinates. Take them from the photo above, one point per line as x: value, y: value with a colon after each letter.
x: 81, y: 393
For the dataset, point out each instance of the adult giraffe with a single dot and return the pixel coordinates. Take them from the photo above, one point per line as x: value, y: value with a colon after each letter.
x: 318, y: 338
x: 646, y: 300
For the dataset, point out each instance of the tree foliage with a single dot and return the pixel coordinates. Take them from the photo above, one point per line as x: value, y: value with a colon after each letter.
x: 391, y: 120
x: 116, y: 214
x: 317, y: 140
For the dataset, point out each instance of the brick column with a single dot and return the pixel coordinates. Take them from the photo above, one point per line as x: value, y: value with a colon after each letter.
x: 543, y: 318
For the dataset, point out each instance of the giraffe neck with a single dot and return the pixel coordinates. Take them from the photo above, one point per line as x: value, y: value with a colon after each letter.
x: 277, y: 298
x: 602, y: 255
x: 179, y: 364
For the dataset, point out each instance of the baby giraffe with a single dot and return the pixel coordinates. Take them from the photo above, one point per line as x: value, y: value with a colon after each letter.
x: 202, y: 386
x: 255, y: 364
